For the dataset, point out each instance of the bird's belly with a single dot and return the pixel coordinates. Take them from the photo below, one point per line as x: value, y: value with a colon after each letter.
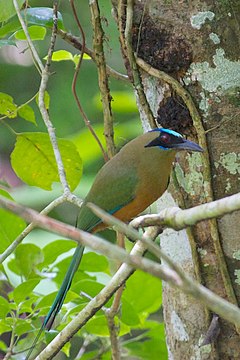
x: 142, y: 201
x: 146, y: 194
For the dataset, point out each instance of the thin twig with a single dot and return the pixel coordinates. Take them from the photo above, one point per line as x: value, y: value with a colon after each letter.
x: 86, y: 342
x: 98, y: 36
x: 74, y: 41
x: 29, y: 228
x: 44, y: 111
x: 32, y: 48
x: 20, y: 106
x: 113, y: 311
x: 113, y: 332
x: 9, y: 352
x: 135, y: 76
x: 89, y: 297
x: 74, y: 82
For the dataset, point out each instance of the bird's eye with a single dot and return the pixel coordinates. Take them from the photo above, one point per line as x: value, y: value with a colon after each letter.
x: 165, y: 138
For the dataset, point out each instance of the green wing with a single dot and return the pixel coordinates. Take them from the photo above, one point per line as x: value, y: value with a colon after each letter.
x: 111, y: 191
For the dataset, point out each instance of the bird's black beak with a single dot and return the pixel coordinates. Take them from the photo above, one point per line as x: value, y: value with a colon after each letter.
x: 188, y: 145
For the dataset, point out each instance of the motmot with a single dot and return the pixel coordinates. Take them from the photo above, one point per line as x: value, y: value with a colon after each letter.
x: 124, y: 187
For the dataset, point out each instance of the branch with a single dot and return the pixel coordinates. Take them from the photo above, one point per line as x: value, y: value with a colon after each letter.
x: 29, y: 228
x: 133, y: 69
x: 74, y: 82
x: 179, y: 219
x: 34, y: 52
x: 44, y: 110
x: 44, y: 80
x: 175, y: 278
x: 74, y: 41
x: 106, y: 98
x: 112, y: 312
x: 91, y: 308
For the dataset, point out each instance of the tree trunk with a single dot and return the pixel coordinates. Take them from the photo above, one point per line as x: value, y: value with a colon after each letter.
x: 197, y: 44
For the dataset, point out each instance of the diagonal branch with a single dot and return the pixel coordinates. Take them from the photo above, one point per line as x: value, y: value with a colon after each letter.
x: 74, y: 41
x: 175, y: 278
x: 29, y: 228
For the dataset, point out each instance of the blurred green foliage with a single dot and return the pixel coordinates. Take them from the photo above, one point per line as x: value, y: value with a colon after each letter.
x: 30, y: 277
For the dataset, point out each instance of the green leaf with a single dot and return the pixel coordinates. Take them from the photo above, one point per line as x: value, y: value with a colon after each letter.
x: 4, y: 307
x: 147, y: 299
x: 35, y: 33
x: 34, y: 162
x: 77, y: 56
x: 151, y: 349
x: 27, y: 257
x: 54, y: 249
x: 50, y: 335
x: 93, y: 262
x: 7, y: 9
x: 4, y: 327
x: 22, y: 327
x: 98, y: 325
x: 91, y: 288
x: 5, y: 194
x: 41, y: 16
x: 27, y: 113
x: 66, y: 349
x: 27, y: 305
x: 77, y: 308
x: 90, y: 355
x: 7, y: 106
x: 156, y: 329
x: 63, y: 266
x: 46, y: 301
x: 7, y: 42
x: 129, y: 315
x: 62, y: 55
x: 3, y: 346
x: 11, y: 225
x: 22, y: 291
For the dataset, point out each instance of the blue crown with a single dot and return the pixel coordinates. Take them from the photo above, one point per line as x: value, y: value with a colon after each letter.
x: 171, y: 132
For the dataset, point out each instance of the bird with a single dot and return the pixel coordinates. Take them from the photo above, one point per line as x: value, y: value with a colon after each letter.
x: 124, y: 187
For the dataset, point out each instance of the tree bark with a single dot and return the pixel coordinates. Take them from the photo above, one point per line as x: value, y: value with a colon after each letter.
x: 197, y: 44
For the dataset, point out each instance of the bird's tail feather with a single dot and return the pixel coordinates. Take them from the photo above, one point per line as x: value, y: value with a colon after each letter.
x: 59, y: 299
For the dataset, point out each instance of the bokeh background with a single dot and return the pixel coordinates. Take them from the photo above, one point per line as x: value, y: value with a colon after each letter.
x: 20, y: 79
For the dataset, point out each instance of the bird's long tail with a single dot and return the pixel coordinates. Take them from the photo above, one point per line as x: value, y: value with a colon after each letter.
x: 59, y: 299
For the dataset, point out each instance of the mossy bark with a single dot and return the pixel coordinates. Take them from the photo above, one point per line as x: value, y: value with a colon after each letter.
x: 197, y: 43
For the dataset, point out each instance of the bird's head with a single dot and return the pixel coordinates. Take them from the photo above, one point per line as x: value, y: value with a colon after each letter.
x: 171, y: 140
